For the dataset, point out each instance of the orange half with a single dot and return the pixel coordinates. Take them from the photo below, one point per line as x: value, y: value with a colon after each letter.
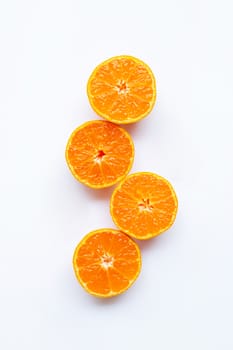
x: 99, y: 153
x: 122, y: 89
x: 106, y: 262
x: 144, y: 205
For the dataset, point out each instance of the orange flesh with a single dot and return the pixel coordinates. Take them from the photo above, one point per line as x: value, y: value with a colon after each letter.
x: 144, y: 205
x: 106, y: 262
x: 122, y: 89
x: 99, y: 153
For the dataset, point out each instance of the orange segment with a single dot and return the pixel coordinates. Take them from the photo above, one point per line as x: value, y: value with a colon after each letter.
x: 106, y: 262
x: 122, y: 90
x: 99, y: 153
x: 144, y: 205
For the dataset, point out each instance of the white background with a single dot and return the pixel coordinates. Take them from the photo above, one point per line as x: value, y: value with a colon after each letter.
x: 183, y: 297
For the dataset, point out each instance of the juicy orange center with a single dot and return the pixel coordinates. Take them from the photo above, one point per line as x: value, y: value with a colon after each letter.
x: 99, y: 156
x: 145, y: 205
x: 122, y: 87
x: 106, y: 261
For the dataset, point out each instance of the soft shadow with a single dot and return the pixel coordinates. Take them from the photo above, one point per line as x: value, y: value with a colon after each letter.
x: 151, y: 243
x: 139, y: 125
x: 107, y: 301
x: 91, y: 193
x: 97, y: 194
x: 131, y: 128
x: 147, y: 244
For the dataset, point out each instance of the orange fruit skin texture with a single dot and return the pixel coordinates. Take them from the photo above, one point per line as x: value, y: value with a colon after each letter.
x: 122, y: 89
x: 144, y: 205
x: 106, y: 262
x: 99, y: 153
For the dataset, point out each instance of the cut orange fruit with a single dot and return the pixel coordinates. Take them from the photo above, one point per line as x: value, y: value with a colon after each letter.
x: 106, y: 262
x: 122, y: 89
x: 144, y: 205
x: 99, y: 153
